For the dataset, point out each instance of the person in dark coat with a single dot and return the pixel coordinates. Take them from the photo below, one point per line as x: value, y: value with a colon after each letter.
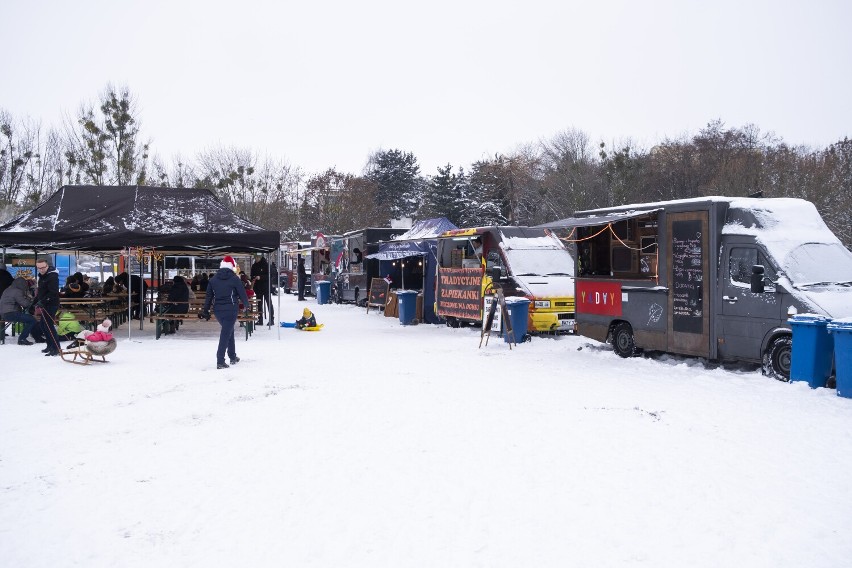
x: 109, y: 285
x: 47, y: 304
x: 225, y: 292
x: 260, y: 285
x: 14, y: 301
x: 135, y: 283
x: 72, y: 288
x: 82, y: 282
x: 300, y: 271
x: 5, y: 279
x: 177, y: 302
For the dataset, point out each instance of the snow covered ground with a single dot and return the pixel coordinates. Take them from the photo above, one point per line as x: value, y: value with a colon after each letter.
x: 371, y: 444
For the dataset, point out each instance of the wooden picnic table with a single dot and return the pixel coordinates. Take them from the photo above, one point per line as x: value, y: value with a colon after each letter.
x: 160, y: 316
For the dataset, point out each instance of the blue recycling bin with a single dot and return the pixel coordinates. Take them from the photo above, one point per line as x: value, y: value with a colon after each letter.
x: 842, y: 333
x: 813, y: 348
x: 323, y: 291
x: 519, y: 310
x: 407, y: 302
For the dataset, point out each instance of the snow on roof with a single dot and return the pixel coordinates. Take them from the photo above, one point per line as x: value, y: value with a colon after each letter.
x: 780, y: 224
x: 426, y: 229
x: 529, y: 243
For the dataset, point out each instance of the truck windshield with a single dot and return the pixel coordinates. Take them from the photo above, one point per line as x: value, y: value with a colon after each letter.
x: 540, y: 262
x: 819, y: 263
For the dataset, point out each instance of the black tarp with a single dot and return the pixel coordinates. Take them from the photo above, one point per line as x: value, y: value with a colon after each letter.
x: 108, y: 218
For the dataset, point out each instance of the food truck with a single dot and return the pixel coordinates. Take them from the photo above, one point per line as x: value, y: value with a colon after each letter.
x: 527, y: 261
x: 353, y: 270
x: 713, y: 277
x: 288, y: 271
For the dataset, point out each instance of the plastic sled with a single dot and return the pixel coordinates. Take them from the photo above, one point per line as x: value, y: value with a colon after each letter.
x: 312, y: 328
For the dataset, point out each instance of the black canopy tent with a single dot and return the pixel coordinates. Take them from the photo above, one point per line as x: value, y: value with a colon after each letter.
x: 110, y: 218
x: 115, y: 218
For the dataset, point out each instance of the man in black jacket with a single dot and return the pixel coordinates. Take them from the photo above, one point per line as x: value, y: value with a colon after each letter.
x: 225, y: 291
x: 47, y: 304
x: 302, y: 277
x: 135, y: 283
x: 177, y: 302
x: 260, y: 285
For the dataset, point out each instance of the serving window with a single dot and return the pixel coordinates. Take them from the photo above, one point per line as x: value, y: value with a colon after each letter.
x: 621, y: 249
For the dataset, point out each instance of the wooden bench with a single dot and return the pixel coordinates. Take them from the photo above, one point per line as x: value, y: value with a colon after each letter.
x: 3, y: 325
x: 92, y: 311
x: 162, y: 317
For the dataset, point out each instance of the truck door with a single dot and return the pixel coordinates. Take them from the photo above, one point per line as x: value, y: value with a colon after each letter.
x: 688, y: 272
x: 745, y: 317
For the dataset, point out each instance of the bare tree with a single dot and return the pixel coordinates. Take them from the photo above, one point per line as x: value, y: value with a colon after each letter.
x: 17, y: 149
x: 103, y: 147
x: 570, y: 180
x: 259, y: 193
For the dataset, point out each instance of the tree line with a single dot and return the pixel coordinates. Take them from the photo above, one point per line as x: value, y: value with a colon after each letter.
x: 532, y: 184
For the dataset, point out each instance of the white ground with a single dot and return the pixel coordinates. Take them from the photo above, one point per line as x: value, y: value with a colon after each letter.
x: 371, y: 444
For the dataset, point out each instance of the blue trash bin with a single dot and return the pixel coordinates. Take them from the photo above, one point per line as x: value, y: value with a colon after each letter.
x: 812, y: 350
x: 407, y: 302
x: 519, y: 310
x: 323, y: 291
x: 842, y: 333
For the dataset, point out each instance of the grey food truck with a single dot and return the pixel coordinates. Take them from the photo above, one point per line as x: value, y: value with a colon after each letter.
x: 713, y: 277
x: 353, y: 271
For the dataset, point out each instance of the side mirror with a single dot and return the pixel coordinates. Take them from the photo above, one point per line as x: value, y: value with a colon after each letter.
x: 757, y: 279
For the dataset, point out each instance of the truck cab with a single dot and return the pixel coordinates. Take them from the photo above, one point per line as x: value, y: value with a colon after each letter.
x: 522, y: 261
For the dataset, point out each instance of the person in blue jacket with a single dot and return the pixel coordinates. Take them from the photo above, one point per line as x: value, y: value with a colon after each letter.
x: 225, y: 291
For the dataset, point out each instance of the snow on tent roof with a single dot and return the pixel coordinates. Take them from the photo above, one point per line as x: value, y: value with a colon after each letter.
x: 113, y: 217
x: 427, y: 229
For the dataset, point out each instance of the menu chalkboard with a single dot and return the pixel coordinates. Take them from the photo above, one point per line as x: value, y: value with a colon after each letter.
x: 687, y: 277
x: 378, y: 292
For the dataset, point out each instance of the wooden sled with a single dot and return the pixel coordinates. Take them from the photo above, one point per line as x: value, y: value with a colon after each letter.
x: 88, y: 352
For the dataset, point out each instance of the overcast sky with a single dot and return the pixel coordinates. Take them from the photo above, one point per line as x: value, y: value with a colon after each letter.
x: 322, y: 84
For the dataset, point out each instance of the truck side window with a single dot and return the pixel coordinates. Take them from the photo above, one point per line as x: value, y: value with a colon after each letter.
x: 740, y: 262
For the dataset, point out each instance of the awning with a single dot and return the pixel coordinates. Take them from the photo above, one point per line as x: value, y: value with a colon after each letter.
x: 596, y: 219
x: 394, y: 250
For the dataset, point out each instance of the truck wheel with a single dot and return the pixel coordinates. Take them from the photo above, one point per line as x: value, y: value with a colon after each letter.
x: 776, y: 360
x: 452, y: 322
x: 622, y: 340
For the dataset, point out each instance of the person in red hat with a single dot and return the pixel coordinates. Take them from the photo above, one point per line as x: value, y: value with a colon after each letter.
x: 225, y: 291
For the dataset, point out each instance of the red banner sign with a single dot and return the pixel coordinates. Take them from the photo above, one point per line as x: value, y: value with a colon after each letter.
x: 603, y: 298
x: 459, y: 293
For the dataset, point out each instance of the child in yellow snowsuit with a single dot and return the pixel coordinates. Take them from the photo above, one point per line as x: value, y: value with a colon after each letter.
x: 308, y: 320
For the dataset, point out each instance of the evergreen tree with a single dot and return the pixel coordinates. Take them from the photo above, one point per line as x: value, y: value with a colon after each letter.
x: 398, y: 181
x: 444, y: 196
x: 483, y: 200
